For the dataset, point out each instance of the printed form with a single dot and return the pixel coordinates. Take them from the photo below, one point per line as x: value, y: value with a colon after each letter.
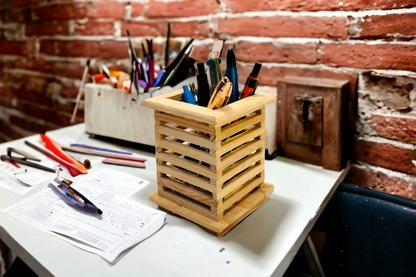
x: 123, y: 224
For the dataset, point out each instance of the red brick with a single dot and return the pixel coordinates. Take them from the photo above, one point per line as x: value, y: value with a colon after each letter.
x: 329, y: 5
x: 269, y: 75
x: 53, y: 116
x: 391, y: 25
x: 94, y: 28
x: 10, y: 132
x: 395, y: 128
x: 15, y: 15
x: 382, y: 182
x: 21, y: 3
x: 378, y: 56
x: 26, y: 47
x: 200, y: 52
x: 182, y: 8
x: 47, y: 28
x: 284, y: 26
x: 29, y: 125
x: 62, y: 11
x: 136, y: 9
x: 6, y: 96
x: 276, y: 52
x: 141, y: 28
x: 193, y: 29
x: 105, y: 49
x: 385, y: 155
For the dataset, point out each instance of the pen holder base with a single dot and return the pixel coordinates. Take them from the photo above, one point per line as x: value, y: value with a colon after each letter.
x: 237, y: 213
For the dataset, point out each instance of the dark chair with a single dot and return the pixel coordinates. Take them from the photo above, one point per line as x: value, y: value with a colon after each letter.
x: 369, y: 233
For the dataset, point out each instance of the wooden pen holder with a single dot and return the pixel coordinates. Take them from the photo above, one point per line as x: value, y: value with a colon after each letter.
x: 210, y: 163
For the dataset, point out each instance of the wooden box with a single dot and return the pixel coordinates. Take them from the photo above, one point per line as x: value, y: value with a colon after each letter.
x: 210, y: 164
x: 312, y: 125
x: 116, y: 114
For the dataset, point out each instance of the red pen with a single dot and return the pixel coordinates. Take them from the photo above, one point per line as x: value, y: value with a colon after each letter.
x: 252, y: 81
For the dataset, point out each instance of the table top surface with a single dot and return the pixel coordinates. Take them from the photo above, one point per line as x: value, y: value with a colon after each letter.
x: 263, y: 244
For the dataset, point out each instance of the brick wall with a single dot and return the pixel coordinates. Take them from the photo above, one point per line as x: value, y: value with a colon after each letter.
x: 44, y: 45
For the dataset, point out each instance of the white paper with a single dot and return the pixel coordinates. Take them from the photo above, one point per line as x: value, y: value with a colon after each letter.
x: 123, y: 223
x: 23, y: 179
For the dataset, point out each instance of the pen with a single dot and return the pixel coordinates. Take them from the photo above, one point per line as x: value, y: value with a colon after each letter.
x: 74, y: 197
x: 252, y: 81
x: 203, y: 87
x: 188, y: 97
x: 214, y: 70
x: 101, y: 149
x: 232, y: 74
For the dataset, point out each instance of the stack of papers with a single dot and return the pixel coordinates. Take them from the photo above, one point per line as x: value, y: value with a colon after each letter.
x: 123, y: 224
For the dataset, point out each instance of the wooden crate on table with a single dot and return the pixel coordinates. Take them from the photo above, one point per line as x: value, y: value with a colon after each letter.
x: 210, y: 163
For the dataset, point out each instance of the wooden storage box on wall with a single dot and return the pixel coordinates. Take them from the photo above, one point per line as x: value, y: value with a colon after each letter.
x: 116, y: 114
x: 313, y: 120
x: 210, y: 167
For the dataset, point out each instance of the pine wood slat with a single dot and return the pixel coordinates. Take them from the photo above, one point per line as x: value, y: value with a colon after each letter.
x: 239, y: 140
x: 240, y: 153
x: 190, y: 123
x: 187, y: 191
x: 240, y: 194
x: 196, y: 181
x: 185, y: 135
x: 185, y: 203
x: 184, y: 163
x: 186, y: 150
x: 240, y: 125
x: 233, y: 216
x: 240, y: 166
x: 240, y: 179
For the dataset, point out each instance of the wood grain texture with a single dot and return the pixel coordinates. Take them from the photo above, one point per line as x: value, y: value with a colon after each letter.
x: 210, y: 163
x: 234, y: 215
x: 334, y: 94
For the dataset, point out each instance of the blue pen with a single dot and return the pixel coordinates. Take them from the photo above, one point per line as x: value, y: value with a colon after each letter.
x: 188, y: 97
x: 100, y: 149
x: 232, y: 74
x: 74, y: 197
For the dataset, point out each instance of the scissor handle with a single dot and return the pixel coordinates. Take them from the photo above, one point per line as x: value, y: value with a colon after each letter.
x: 26, y: 155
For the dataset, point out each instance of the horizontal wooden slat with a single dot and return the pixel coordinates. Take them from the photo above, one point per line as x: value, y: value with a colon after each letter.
x: 240, y: 194
x: 240, y: 139
x: 189, y: 165
x: 186, y: 150
x: 187, y: 191
x: 240, y: 166
x: 240, y: 125
x: 199, y: 219
x: 242, y: 107
x: 240, y: 179
x: 185, y: 136
x: 241, y: 152
x: 196, y: 181
x: 190, y: 123
x: 185, y: 203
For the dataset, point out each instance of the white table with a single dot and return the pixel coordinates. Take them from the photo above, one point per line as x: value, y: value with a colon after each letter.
x: 265, y: 243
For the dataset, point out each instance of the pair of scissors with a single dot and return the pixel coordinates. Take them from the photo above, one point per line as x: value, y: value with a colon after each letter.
x: 24, y: 160
x: 221, y: 94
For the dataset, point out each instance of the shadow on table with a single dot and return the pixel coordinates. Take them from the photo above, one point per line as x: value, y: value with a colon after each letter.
x: 262, y: 225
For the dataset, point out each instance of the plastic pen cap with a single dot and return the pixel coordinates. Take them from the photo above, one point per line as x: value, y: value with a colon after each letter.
x: 231, y: 60
x: 256, y: 69
x: 201, y: 68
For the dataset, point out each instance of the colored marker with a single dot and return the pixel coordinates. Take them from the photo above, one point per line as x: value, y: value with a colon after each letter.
x: 252, y: 81
x: 232, y: 74
x: 203, y: 87
x: 188, y: 97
